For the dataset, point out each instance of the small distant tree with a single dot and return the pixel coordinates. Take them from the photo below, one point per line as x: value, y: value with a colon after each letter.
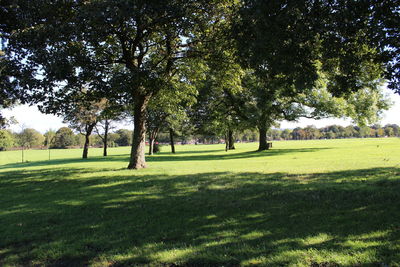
x: 83, y: 117
x: 6, y: 140
x: 29, y: 138
x: 64, y: 138
x: 49, y: 137
x: 365, y: 131
x: 105, y: 125
x: 124, y: 137
x: 395, y: 127
x: 389, y: 131
x: 286, y: 134
x: 156, y: 119
x: 112, y: 137
x: 350, y: 131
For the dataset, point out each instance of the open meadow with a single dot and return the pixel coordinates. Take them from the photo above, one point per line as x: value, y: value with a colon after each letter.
x: 302, y: 203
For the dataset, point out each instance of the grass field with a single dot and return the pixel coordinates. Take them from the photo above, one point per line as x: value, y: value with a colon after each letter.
x: 303, y: 203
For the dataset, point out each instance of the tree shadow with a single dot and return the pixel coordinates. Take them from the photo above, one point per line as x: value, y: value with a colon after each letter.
x: 233, y: 155
x: 165, y: 156
x: 113, y: 158
x: 60, y: 217
x: 178, y: 152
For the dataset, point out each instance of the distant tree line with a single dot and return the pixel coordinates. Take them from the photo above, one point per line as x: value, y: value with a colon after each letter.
x: 62, y: 138
x: 66, y: 138
x: 334, y: 131
x: 309, y: 133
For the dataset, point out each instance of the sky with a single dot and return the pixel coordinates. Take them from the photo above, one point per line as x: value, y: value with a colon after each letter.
x: 31, y: 117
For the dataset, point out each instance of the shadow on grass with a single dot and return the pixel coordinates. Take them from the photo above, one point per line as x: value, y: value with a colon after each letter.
x: 166, y: 156
x: 234, y: 155
x: 113, y: 158
x: 55, y: 217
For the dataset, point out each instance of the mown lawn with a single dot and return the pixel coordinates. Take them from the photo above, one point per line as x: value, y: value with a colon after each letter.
x: 303, y: 203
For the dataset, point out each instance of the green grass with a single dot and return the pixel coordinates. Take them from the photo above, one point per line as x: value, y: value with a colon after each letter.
x: 303, y: 203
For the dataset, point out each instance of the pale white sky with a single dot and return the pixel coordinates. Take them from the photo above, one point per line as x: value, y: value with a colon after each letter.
x: 31, y: 117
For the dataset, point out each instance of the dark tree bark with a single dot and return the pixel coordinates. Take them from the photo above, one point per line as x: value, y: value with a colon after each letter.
x: 263, y: 138
x: 171, y: 140
x: 137, y: 157
x: 105, y: 140
x: 226, y: 142
x: 231, y: 141
x: 89, y: 130
x: 152, y: 139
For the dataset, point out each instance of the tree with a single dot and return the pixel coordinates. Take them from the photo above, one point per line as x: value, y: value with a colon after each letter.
x: 389, y: 131
x: 156, y: 119
x: 128, y: 50
x: 64, y: 138
x: 124, y: 137
x: 350, y: 131
x: 169, y: 110
x: 214, y: 112
x: 49, y: 138
x: 299, y: 49
x: 395, y: 127
x: 286, y: 134
x: 104, y: 127
x: 6, y: 139
x: 83, y: 116
x: 30, y: 138
x: 111, y: 111
x: 311, y: 132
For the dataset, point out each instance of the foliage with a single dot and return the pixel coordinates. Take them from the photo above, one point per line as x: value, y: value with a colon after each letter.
x: 49, y: 138
x: 64, y: 138
x: 7, y: 97
x: 30, y: 138
x: 6, y: 139
x: 284, y: 41
x: 124, y: 137
x: 84, y: 114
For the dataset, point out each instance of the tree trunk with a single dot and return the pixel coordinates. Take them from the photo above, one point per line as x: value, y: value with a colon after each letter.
x: 105, y: 138
x: 137, y: 158
x: 226, y: 142
x: 86, y: 145
x: 263, y: 139
x: 151, y: 145
x: 171, y: 140
x: 231, y: 141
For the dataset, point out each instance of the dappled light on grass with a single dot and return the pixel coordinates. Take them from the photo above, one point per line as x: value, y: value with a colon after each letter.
x: 100, y: 215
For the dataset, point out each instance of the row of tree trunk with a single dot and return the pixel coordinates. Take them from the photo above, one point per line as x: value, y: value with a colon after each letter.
x: 137, y: 156
x: 229, y: 140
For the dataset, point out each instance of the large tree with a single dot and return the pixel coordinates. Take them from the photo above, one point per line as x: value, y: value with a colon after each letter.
x: 291, y: 47
x: 123, y: 49
x: 264, y: 104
